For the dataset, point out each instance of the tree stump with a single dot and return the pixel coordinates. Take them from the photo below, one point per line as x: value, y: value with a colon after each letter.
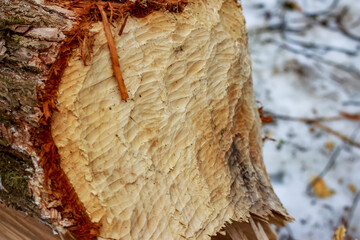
x: 180, y: 159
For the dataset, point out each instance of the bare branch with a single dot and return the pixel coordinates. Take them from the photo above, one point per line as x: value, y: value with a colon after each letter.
x: 340, y: 22
x: 328, y: 10
x: 316, y: 123
x: 352, y: 209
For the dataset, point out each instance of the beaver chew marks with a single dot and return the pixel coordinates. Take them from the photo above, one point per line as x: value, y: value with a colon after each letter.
x: 182, y: 157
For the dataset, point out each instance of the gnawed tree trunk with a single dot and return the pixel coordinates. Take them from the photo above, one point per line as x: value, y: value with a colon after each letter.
x: 181, y: 159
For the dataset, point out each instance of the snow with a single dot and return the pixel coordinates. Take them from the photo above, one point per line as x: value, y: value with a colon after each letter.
x: 310, y: 81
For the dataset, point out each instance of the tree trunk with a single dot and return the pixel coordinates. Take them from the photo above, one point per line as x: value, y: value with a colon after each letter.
x: 180, y: 159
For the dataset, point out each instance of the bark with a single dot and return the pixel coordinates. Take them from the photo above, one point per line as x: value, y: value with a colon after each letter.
x: 181, y: 159
x: 22, y: 71
x: 32, y: 36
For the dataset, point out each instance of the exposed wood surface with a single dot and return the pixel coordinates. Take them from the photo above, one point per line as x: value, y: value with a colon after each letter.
x: 181, y: 159
x: 16, y: 225
x: 183, y: 155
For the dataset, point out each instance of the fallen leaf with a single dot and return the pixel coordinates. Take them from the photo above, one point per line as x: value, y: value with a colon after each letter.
x: 329, y: 145
x: 320, y: 188
x: 340, y: 233
x: 352, y: 188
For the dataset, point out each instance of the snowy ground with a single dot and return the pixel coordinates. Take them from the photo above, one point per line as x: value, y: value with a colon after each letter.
x: 304, y: 66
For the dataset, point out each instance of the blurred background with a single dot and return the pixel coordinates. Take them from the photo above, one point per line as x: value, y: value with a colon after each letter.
x: 306, y: 73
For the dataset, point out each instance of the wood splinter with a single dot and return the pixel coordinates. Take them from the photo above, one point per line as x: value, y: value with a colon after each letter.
x: 114, y: 57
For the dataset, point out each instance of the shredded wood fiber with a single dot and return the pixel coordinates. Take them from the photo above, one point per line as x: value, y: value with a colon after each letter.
x: 182, y: 156
x: 56, y: 181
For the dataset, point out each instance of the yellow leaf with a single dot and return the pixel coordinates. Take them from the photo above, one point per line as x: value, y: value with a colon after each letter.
x: 352, y: 188
x: 329, y: 145
x: 269, y: 133
x: 340, y: 233
x: 320, y: 188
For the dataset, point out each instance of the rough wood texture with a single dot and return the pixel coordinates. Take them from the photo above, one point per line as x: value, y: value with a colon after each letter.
x: 30, y: 36
x: 182, y: 156
x: 15, y: 225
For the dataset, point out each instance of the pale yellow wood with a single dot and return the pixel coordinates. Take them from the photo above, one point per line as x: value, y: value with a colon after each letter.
x: 182, y: 156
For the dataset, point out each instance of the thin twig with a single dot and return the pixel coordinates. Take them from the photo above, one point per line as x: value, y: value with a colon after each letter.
x: 330, y: 163
x: 306, y: 120
x: 111, y: 14
x: 114, y: 57
x: 332, y: 6
x: 335, y: 133
x: 342, y: 28
x: 315, y: 46
x: 349, y: 70
x: 316, y: 123
x: 123, y: 25
x: 352, y: 209
x: 328, y: 166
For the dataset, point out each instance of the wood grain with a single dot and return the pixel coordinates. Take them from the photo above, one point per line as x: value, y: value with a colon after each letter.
x: 182, y: 157
x: 15, y: 225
